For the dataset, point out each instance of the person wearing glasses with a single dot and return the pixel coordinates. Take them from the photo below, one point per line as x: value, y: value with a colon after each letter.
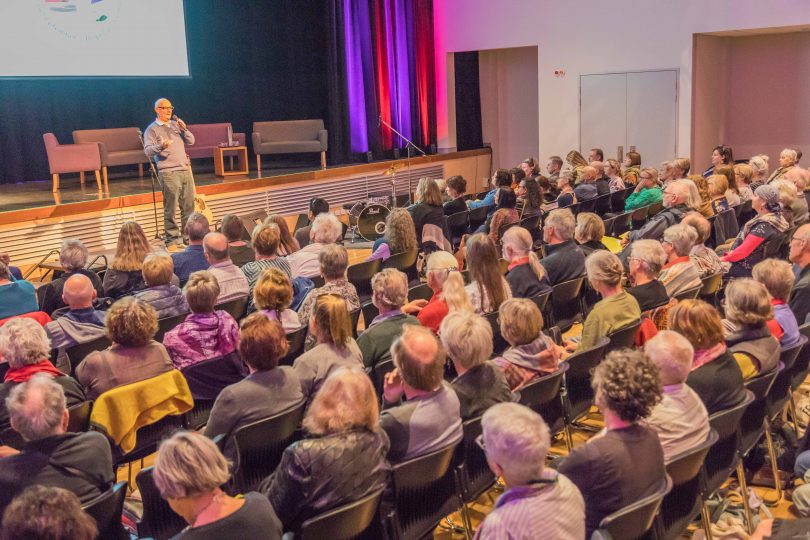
x: 164, y: 142
x: 799, y: 255
x: 647, y: 191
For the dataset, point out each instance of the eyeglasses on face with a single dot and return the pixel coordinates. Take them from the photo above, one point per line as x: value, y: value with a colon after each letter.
x: 164, y: 107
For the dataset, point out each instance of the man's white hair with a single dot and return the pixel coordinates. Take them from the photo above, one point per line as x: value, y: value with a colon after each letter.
x: 517, y: 439
x: 326, y: 229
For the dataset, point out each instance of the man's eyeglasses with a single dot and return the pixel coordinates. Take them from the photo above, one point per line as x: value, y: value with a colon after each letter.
x: 169, y: 108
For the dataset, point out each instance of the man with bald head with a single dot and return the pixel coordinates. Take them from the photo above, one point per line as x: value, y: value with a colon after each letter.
x: 82, y: 322
x: 800, y: 256
x: 430, y: 419
x: 602, y: 182
x: 232, y: 281
x: 164, y: 142
x: 586, y: 189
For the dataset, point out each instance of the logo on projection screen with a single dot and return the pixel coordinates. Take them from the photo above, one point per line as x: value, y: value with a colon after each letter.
x: 80, y: 20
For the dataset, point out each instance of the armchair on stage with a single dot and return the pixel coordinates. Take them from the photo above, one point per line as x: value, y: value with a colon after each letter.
x: 71, y: 158
x: 119, y: 146
x: 289, y: 137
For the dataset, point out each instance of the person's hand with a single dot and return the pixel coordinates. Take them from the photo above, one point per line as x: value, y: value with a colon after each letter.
x: 6, y: 451
x: 392, y: 386
x: 165, y: 143
x: 181, y: 124
x: 414, y: 306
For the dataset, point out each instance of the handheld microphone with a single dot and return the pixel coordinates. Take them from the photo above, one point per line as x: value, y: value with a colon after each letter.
x: 180, y: 123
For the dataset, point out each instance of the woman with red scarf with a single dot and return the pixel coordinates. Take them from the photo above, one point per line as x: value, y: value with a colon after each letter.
x: 25, y: 346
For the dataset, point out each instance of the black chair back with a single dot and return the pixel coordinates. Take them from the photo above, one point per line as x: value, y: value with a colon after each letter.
x: 420, y: 292
x: 634, y: 520
x: 370, y: 311
x: 801, y: 367
x: 745, y: 212
x: 683, y: 502
x: 355, y: 317
x: 424, y: 493
x: 541, y: 299
x: 565, y: 303
x: 168, y: 323
x: 77, y: 353
x: 348, y: 521
x: 721, y: 459
x: 505, y: 227
x: 623, y: 337
x: 638, y: 217
x: 688, y: 294
x: 578, y: 395
x: 360, y: 275
x: 158, y: 520
x: 206, y: 379
x: 587, y: 205
x: 477, y: 217
x: 753, y: 421
x: 458, y: 224
x: 236, y: 307
x: 296, y: 340
x: 724, y: 227
x: 499, y: 344
x: 404, y: 262
x: 260, y: 445
x: 106, y: 510
x: 148, y: 439
x: 779, y: 393
x: 197, y: 417
x: 79, y: 417
x: 378, y: 374
x: 543, y: 397
x: 617, y: 200
x: 532, y: 224
x: 711, y: 285
x: 474, y: 474
x: 602, y: 204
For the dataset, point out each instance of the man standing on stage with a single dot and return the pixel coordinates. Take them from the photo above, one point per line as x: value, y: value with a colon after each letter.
x: 164, y: 142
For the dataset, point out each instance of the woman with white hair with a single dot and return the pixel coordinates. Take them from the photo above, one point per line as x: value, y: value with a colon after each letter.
x: 646, y: 260
x: 25, y: 346
x: 516, y: 441
x: 794, y: 203
x: 449, y: 294
x: 467, y: 339
x: 326, y: 229
x: 526, y: 276
x: 777, y: 277
x: 615, y: 310
x: 72, y: 259
x: 189, y: 470
x: 787, y: 160
x: 680, y: 273
x: 704, y: 258
x: 342, y: 459
x: 759, y: 167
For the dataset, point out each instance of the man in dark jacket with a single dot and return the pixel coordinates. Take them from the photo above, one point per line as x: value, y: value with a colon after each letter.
x: 800, y: 256
x: 564, y: 260
x: 78, y: 462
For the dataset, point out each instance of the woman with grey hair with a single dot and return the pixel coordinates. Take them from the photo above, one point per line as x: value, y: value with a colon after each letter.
x: 787, y: 160
x: 646, y: 260
x: 333, y: 260
x: 467, y: 339
x: 17, y: 296
x: 680, y: 273
x: 189, y: 471
x: 705, y: 259
x: 326, y: 229
x: 615, y: 310
x: 25, y: 346
x: 72, y: 259
x: 748, y: 337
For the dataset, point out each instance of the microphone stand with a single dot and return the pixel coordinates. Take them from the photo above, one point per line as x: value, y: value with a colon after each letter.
x: 153, y: 175
x: 408, y: 147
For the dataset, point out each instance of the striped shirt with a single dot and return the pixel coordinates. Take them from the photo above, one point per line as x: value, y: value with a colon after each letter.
x: 254, y: 269
x: 541, y: 510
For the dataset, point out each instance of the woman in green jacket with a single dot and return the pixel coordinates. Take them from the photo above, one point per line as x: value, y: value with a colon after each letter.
x: 647, y: 191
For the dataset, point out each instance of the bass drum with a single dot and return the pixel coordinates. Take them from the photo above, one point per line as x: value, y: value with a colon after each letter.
x: 369, y: 221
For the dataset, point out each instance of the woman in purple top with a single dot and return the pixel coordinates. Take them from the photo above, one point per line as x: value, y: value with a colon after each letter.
x: 206, y: 333
x: 778, y: 278
x: 400, y: 235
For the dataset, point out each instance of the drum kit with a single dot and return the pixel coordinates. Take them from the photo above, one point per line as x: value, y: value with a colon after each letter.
x: 367, y: 218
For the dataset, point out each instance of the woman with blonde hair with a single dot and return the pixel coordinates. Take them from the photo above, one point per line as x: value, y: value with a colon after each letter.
x: 399, y: 237
x: 632, y: 165
x: 287, y: 242
x: 273, y: 296
x: 743, y: 175
x: 717, y: 188
x: 647, y: 190
x: 428, y: 208
x: 589, y: 232
x: 733, y: 192
x: 160, y: 292
x: 488, y: 288
x: 449, y: 294
x: 331, y: 325
x: 681, y: 167
x: 342, y: 459
x: 794, y: 203
x: 189, y: 470
x: 759, y: 166
x: 531, y: 354
x: 613, y: 170
x: 679, y: 273
x: 525, y: 275
x: 748, y: 337
x: 123, y: 277
x: 704, y: 204
x: 704, y: 258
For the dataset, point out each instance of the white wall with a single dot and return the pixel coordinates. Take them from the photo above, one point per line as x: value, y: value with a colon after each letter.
x: 593, y: 36
x: 508, y: 82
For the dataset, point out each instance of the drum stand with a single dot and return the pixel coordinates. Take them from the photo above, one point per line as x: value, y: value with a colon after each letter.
x: 408, y: 146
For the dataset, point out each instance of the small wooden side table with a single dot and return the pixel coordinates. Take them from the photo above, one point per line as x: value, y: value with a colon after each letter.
x: 241, y: 167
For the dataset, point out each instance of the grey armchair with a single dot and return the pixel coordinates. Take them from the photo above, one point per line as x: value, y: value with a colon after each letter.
x: 289, y: 137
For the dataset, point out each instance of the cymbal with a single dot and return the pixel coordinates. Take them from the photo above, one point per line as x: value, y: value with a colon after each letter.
x: 393, y: 169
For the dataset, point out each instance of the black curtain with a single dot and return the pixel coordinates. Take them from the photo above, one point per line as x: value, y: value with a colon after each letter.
x: 468, y: 102
x: 249, y: 61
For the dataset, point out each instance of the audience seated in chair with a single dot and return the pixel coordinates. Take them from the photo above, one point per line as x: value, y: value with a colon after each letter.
x: 487, y: 288
x: 268, y: 389
x: 526, y: 276
x: 47, y: 512
x: 82, y: 322
x: 586, y: 188
x: 617, y: 308
x: 567, y: 196
x: 449, y: 294
x: 24, y: 345
x: 161, y: 292
x: 399, y: 237
x: 538, y: 502
x: 189, y: 471
x: 679, y: 273
x: 232, y: 282
x: 430, y: 419
x: 342, y: 459
x: 715, y: 375
x: 680, y: 418
x: 564, y: 259
x: 72, y: 259
x: 287, y: 245
x: 748, y: 336
x: 192, y: 259
x: 675, y: 197
x: 326, y: 229
x: 647, y: 258
x: 456, y: 188
x: 647, y: 191
x: 16, y: 296
x: 333, y: 260
x: 205, y: 333
x: 133, y: 356
x: 427, y: 208
x: 777, y: 277
x: 240, y: 251
x: 79, y: 462
x: 531, y: 354
x: 389, y: 295
x: 626, y: 463
x: 467, y: 339
x: 705, y: 259
x: 589, y: 232
x: 800, y: 256
x: 499, y: 179
x: 505, y: 213
x: 123, y: 276
x: 331, y: 325
x: 273, y: 295
x: 317, y: 206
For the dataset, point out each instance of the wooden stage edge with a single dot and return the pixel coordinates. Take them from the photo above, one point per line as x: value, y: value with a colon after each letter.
x: 267, y: 183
